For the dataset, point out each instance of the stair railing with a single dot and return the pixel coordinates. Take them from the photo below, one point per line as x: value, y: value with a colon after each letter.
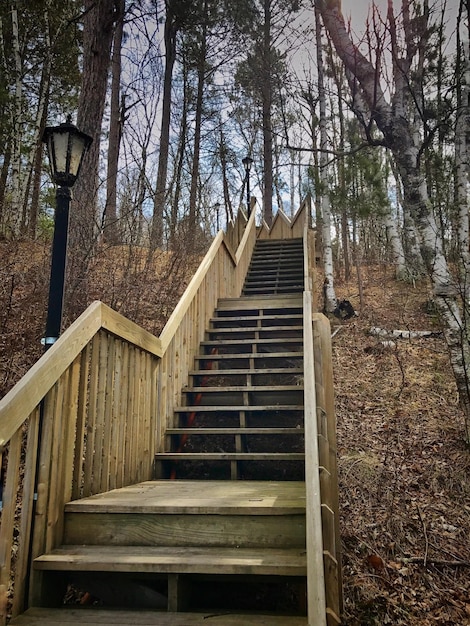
x: 90, y: 415
x: 78, y: 423
x: 324, y: 585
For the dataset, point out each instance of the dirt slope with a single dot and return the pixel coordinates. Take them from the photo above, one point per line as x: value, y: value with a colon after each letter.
x: 404, y: 469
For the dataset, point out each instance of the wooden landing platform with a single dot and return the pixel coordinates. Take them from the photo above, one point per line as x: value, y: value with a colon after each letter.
x: 97, y: 617
x: 192, y: 496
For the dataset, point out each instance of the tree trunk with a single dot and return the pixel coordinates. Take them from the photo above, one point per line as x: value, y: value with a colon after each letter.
x: 17, y: 115
x: 266, y: 90
x: 201, y: 78
x: 170, y: 33
x: 399, y: 136
x: 110, y: 218
x: 179, y: 161
x: 223, y: 166
x: 462, y: 131
x: 329, y: 293
x: 98, y: 24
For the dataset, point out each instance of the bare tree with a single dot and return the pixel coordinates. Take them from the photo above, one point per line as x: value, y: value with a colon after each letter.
x: 398, y: 133
x: 98, y: 30
x: 328, y: 287
x: 117, y: 111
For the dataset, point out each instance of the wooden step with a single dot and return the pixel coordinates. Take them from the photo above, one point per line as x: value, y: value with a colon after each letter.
x: 265, y: 303
x: 238, y: 408
x: 180, y: 513
x: 259, y: 330
x: 104, y: 617
x: 276, y: 288
x: 247, y: 372
x: 234, y: 431
x: 289, y: 256
x: 256, y: 321
x: 242, y: 388
x: 185, y: 496
x: 167, y: 560
x: 246, y: 396
x: 247, y: 342
x: 250, y: 355
x: 230, y: 456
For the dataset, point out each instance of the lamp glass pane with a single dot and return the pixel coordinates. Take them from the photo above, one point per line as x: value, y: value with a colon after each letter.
x: 77, y: 150
x: 59, y: 150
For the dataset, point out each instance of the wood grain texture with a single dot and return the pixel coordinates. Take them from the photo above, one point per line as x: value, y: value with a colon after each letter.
x: 101, y: 617
x: 192, y: 496
x: 184, y: 560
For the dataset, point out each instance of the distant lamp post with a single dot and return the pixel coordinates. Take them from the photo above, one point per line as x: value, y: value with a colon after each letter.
x: 247, y: 161
x: 217, y: 215
x: 66, y: 147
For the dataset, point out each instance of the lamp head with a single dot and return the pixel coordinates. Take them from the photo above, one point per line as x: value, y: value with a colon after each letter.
x: 247, y: 161
x: 66, y: 146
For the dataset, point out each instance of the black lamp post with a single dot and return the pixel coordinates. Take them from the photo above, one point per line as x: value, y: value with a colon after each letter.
x: 66, y: 146
x: 247, y: 161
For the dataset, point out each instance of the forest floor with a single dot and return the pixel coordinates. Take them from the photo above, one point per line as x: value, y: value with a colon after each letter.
x: 403, y: 465
x: 404, y: 468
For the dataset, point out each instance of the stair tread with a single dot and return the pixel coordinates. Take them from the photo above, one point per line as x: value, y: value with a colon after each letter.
x: 248, y: 372
x: 254, y: 329
x: 104, y: 617
x: 240, y: 407
x: 219, y: 342
x: 186, y: 496
x: 267, y: 302
x: 234, y: 431
x: 174, y: 559
x: 255, y: 318
x: 249, y: 355
x: 250, y: 388
x: 230, y: 456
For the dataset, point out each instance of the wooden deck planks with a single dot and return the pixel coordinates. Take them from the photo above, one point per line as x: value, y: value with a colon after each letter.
x: 100, y: 617
x: 178, y: 560
x: 189, y: 496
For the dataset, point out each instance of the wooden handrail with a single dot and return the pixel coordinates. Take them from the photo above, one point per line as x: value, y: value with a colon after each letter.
x: 20, y: 401
x: 100, y: 400
x: 314, y: 540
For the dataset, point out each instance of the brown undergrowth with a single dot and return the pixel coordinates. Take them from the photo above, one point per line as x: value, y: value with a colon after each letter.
x: 142, y: 285
x: 404, y: 469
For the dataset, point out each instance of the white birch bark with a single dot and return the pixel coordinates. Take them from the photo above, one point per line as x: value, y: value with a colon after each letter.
x: 329, y: 287
x: 16, y: 117
x: 398, y: 135
x: 394, y: 239
x: 461, y: 146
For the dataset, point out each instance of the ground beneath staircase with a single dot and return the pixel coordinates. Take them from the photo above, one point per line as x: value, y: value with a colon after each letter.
x: 403, y: 467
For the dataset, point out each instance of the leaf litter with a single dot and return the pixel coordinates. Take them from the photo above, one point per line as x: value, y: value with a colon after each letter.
x: 404, y: 469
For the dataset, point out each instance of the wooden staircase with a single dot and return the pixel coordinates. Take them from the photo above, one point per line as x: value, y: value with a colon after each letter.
x: 220, y: 536
x: 243, y: 414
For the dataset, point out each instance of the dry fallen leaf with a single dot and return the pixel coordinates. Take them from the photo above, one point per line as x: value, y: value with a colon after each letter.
x: 375, y: 562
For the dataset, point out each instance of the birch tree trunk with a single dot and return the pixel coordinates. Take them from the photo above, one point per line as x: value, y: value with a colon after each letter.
x: 16, y: 117
x: 35, y: 156
x: 267, y: 97
x: 393, y: 237
x: 392, y: 120
x: 329, y: 294
x: 462, y: 129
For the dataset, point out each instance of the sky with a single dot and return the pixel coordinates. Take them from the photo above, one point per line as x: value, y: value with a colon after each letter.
x: 358, y: 10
